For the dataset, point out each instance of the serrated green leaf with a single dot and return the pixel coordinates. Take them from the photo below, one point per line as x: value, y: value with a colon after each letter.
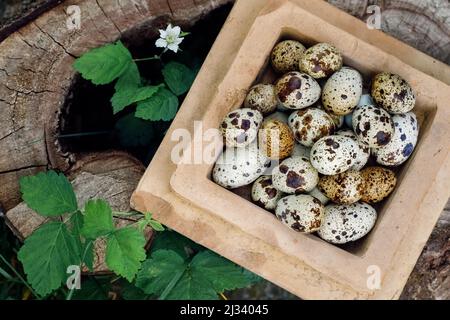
x: 48, y: 193
x: 161, y: 106
x: 178, y: 77
x: 130, y: 78
x: 129, y: 95
x: 220, y: 272
x: 105, y: 64
x: 192, y: 287
x: 159, y: 270
x: 98, y: 219
x: 46, y: 254
x: 134, y: 132
x: 75, y: 225
x: 125, y: 251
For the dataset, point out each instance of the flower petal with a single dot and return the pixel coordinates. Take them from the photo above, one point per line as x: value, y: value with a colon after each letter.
x: 162, y: 33
x: 173, y: 47
x: 176, y: 31
x: 161, y: 43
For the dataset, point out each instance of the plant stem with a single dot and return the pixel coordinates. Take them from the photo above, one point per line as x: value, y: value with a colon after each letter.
x: 19, y: 276
x: 148, y: 59
x: 223, y: 296
x: 172, y: 284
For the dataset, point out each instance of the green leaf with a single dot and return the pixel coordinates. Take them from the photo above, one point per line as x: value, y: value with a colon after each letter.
x: 134, y: 132
x: 46, y: 254
x: 130, y: 78
x: 88, y: 252
x: 178, y: 77
x: 125, y: 251
x: 156, y: 225
x: 105, y: 64
x: 170, y: 240
x: 162, y: 106
x: 129, y: 95
x: 159, y: 270
x: 75, y: 225
x: 48, y: 193
x: 93, y: 289
x: 221, y: 273
x: 192, y: 287
x: 98, y: 219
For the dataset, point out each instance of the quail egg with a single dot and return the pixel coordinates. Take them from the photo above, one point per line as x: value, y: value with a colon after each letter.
x: 296, y: 90
x: 347, y: 222
x: 342, y: 188
x: 316, y: 193
x: 301, y: 151
x: 321, y: 60
x: 295, y: 175
x: 286, y: 56
x: 372, y: 125
x: 363, y: 152
x: 393, y: 93
x: 302, y: 213
x: 278, y: 115
x: 403, y: 142
x: 275, y: 139
x: 264, y: 193
x: 342, y: 91
x: 240, y: 127
x: 334, y: 154
x: 237, y: 167
x: 309, y: 125
x: 262, y: 97
x: 379, y: 183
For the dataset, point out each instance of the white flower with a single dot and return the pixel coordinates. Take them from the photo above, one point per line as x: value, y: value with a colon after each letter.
x: 170, y: 38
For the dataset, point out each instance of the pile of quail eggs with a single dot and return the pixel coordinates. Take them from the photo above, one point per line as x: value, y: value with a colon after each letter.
x: 323, y: 131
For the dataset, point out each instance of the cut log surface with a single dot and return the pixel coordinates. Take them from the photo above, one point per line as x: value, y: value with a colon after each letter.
x: 36, y: 75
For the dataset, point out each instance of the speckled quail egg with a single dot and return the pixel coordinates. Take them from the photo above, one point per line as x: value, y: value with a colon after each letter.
x: 342, y: 188
x: 237, y: 167
x: 347, y: 222
x: 296, y: 90
x: 334, y: 154
x: 301, y: 151
x: 302, y: 213
x: 365, y: 99
x: 403, y: 142
x: 240, y: 127
x: 393, y: 93
x: 286, y: 55
x: 372, y: 125
x: 309, y: 125
x: 379, y: 183
x: 342, y: 91
x: 276, y: 139
x: 295, y: 175
x: 264, y: 193
x: 316, y: 193
x: 363, y: 152
x: 262, y: 97
x: 321, y: 60
x: 278, y: 115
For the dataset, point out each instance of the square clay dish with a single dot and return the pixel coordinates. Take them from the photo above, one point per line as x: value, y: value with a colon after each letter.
x: 184, y: 197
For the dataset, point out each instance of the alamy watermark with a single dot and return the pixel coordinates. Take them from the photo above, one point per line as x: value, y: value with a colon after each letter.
x: 374, y: 20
